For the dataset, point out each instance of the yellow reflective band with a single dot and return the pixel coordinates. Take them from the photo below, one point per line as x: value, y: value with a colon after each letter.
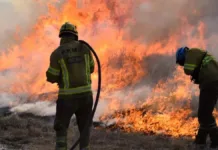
x: 77, y: 90
x: 88, y: 72
x: 86, y: 60
x: 54, y: 71
x: 206, y: 60
x: 189, y: 68
x: 92, y: 62
x: 61, y: 148
x: 190, y: 65
x: 87, y: 68
x: 61, y: 139
x: 65, y: 73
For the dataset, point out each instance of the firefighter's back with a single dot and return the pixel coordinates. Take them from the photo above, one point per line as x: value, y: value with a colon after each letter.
x: 75, y: 68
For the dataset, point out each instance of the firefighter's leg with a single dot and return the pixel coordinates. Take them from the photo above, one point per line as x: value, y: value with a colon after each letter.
x: 62, y: 120
x: 200, y: 139
x: 205, y: 116
x: 212, y: 98
x: 83, y: 114
x: 214, y: 138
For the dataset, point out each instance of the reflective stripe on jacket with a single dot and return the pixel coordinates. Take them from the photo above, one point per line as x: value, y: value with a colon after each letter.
x: 71, y: 65
x: 209, y: 68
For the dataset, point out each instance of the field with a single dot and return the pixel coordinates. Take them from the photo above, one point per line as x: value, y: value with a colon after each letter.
x: 27, y: 132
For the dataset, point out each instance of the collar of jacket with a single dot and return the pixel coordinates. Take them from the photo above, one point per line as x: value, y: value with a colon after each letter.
x: 65, y: 40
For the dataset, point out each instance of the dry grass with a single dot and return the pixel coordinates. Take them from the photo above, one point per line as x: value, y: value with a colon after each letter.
x: 32, y: 133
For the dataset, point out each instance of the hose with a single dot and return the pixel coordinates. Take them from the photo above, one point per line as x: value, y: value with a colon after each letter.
x: 97, y: 95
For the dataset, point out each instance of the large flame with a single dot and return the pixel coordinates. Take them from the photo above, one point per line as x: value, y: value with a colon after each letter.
x: 106, y: 25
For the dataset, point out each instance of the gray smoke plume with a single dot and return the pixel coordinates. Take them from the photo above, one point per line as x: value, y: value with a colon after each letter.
x: 156, y: 20
x: 19, y: 16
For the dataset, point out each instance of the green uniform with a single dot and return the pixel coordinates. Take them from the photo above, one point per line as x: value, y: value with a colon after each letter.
x: 209, y: 68
x: 208, y: 82
x: 71, y: 65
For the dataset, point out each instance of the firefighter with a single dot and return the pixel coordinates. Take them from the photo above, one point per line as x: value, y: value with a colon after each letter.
x: 203, y: 69
x: 71, y: 65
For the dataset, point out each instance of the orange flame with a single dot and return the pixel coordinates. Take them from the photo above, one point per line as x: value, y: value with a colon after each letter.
x: 122, y: 65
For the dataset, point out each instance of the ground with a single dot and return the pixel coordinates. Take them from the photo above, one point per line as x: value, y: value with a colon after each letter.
x: 27, y: 132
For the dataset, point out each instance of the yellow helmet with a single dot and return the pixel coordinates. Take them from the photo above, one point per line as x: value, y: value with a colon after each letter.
x: 68, y: 28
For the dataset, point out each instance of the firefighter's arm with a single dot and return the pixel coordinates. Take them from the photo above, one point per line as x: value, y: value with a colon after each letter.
x: 53, y: 71
x: 190, y: 63
x: 92, y: 63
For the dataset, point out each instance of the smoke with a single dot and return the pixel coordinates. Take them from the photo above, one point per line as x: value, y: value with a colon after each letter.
x: 18, y: 17
x: 157, y: 19
x: 38, y: 108
x: 6, y: 99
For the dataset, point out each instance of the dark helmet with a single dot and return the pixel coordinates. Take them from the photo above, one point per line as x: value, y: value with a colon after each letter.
x: 69, y: 29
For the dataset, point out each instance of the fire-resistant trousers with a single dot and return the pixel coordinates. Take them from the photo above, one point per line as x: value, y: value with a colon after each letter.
x: 81, y: 106
x: 207, y: 101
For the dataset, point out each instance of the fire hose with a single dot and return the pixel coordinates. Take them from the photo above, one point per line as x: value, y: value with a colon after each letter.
x: 97, y: 95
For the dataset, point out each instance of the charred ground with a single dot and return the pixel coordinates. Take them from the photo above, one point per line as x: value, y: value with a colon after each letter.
x: 28, y: 132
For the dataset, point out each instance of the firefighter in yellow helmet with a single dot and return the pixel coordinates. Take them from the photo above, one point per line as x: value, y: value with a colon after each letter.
x: 71, y: 65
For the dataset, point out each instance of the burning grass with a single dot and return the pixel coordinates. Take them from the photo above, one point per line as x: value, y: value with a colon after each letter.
x: 176, y: 124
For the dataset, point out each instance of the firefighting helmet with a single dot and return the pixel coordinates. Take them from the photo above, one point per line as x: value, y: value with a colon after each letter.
x: 68, y: 28
x: 180, y: 55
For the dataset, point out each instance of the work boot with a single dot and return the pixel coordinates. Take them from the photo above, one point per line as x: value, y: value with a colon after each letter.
x: 201, y: 137
x: 61, y: 142
x: 200, y: 147
x: 61, y: 145
x: 214, y: 138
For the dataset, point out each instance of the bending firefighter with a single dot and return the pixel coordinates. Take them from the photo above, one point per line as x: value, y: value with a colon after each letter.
x: 71, y: 65
x: 203, y: 69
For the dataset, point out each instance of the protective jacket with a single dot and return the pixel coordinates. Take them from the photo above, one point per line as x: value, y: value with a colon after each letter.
x: 208, y: 66
x: 71, y: 65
